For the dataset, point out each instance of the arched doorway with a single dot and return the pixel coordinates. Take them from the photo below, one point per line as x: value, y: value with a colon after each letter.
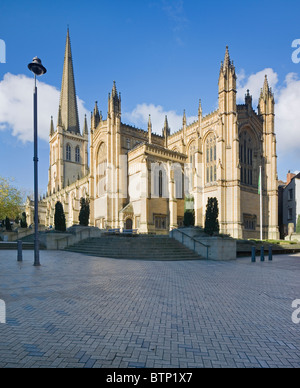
x: 128, y: 224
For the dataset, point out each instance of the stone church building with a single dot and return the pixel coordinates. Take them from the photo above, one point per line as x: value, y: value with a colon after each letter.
x: 136, y: 179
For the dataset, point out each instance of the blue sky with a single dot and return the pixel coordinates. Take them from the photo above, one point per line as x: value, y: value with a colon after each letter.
x: 164, y: 56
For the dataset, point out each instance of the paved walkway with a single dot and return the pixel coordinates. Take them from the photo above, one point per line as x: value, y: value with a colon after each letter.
x: 78, y: 311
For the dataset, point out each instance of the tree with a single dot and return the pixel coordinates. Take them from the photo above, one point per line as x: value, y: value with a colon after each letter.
x: 211, y: 217
x: 23, y: 220
x: 189, y: 213
x: 189, y: 218
x: 59, y: 217
x: 84, y: 213
x: 11, y: 201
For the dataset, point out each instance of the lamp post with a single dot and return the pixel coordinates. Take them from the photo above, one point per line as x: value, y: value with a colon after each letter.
x: 38, y: 69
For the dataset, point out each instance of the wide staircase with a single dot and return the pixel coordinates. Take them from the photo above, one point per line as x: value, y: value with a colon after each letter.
x: 139, y: 247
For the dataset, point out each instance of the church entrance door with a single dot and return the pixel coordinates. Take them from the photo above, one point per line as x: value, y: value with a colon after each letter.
x: 128, y: 224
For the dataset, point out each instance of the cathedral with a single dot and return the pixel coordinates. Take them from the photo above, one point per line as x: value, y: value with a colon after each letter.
x: 136, y: 179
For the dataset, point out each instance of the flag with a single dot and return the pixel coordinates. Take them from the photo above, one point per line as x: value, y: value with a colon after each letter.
x: 259, y: 182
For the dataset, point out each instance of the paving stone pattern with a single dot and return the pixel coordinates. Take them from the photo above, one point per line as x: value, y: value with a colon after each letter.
x: 82, y: 311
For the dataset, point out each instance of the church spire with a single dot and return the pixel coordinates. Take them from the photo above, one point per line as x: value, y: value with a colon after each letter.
x: 68, y: 103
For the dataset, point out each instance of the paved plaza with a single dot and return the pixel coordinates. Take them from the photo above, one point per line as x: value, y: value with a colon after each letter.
x: 81, y: 311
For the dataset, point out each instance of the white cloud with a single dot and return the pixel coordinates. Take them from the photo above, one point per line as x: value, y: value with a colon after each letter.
x: 288, y: 116
x: 16, y: 106
x: 140, y: 116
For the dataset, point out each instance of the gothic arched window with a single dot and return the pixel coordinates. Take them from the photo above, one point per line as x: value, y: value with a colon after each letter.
x: 68, y: 152
x: 246, y: 158
x: 101, y: 170
x: 211, y: 159
x: 77, y: 154
x: 192, y: 151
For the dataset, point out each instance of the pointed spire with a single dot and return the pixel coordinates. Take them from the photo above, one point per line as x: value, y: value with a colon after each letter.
x: 51, y: 127
x: 68, y: 103
x: 96, y: 110
x: 184, y: 118
x: 200, y: 109
x: 227, y: 58
x: 114, y: 100
x: 166, y: 131
x: 149, y: 124
x: 85, y: 126
x: 96, y: 116
x: 228, y: 63
x: 114, y: 90
x: 166, y: 125
x: 149, y: 130
x: 266, y: 85
x: 266, y: 90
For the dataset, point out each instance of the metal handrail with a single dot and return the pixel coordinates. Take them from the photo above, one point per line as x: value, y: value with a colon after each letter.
x: 192, y: 238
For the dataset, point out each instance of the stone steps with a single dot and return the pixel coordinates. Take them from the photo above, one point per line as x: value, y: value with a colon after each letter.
x: 161, y: 248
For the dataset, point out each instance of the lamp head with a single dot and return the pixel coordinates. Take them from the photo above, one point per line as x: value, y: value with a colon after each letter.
x: 36, y: 66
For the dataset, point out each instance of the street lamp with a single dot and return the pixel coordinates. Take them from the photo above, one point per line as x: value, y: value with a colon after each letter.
x: 38, y: 69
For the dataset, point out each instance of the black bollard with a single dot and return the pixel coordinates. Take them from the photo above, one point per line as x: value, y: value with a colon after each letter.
x: 253, y: 259
x: 270, y: 253
x: 20, y: 258
x: 262, y: 254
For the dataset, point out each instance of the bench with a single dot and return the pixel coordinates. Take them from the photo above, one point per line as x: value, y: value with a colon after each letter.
x: 130, y: 231
x: 113, y: 231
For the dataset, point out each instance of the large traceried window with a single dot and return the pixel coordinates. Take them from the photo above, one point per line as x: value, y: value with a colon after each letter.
x: 246, y: 158
x: 211, y: 159
x: 68, y: 152
x: 101, y: 170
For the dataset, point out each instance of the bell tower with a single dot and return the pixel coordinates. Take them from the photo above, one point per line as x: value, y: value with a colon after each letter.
x: 266, y: 111
x: 68, y: 147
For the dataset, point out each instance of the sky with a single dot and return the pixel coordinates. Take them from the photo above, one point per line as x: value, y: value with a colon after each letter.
x: 164, y: 55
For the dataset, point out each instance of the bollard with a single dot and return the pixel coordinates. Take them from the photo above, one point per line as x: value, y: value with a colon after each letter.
x: 20, y: 258
x: 253, y: 259
x: 262, y: 254
x: 270, y: 253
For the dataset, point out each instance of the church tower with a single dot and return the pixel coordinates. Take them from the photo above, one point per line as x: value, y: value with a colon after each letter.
x: 266, y: 112
x: 228, y: 150
x: 68, y: 147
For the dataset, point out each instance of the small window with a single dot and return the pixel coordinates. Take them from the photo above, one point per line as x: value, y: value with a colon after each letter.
x: 160, y: 222
x: 77, y: 155
x: 290, y: 194
x: 160, y: 183
x: 68, y: 152
x: 290, y: 214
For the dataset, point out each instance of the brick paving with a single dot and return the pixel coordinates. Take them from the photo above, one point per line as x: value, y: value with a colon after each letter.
x: 87, y: 312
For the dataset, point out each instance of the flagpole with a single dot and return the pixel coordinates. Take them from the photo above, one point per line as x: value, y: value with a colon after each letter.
x: 260, y: 203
